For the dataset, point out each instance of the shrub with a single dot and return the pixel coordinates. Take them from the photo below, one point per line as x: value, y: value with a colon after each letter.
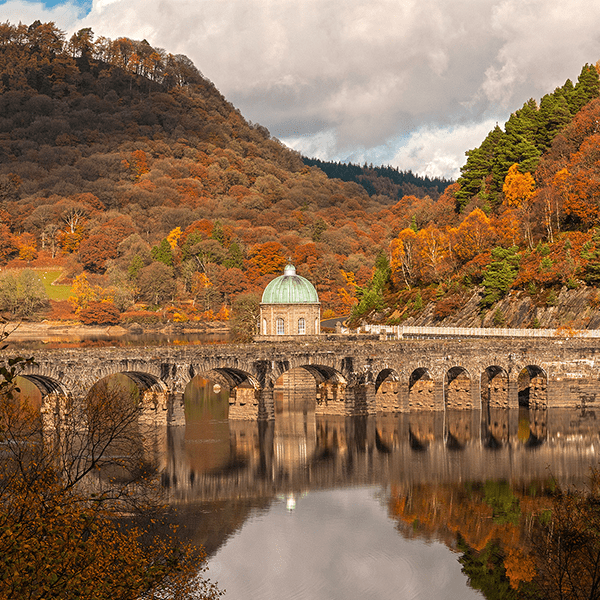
x: 140, y: 316
x: 22, y: 292
x: 100, y: 313
x: 448, y: 306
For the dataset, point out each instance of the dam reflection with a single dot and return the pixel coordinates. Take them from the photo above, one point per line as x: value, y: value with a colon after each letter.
x: 213, y: 458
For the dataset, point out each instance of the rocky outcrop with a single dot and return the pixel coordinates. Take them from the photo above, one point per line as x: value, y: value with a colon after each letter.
x: 578, y: 309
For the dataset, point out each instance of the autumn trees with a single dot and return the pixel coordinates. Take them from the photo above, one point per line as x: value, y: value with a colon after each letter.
x: 63, y: 493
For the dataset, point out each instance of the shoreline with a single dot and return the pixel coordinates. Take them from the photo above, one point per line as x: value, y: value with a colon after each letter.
x: 74, y: 330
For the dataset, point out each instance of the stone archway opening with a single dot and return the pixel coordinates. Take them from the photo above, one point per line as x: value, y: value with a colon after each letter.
x: 203, y: 444
x: 35, y: 388
x: 326, y: 385
x: 142, y: 391
x: 206, y: 396
x: 31, y: 404
x: 457, y: 389
x: 387, y: 392
x: 494, y: 387
x: 532, y: 384
x: 241, y: 388
x: 43, y: 395
x: 118, y: 421
x: 296, y: 391
x: 420, y: 390
x: 494, y: 407
x: 533, y: 403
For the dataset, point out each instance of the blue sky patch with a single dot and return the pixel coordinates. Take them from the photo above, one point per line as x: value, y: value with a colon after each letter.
x: 86, y: 5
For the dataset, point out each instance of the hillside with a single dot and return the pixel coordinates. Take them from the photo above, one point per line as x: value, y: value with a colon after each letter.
x: 124, y: 166
x: 525, y: 232
x: 108, y: 148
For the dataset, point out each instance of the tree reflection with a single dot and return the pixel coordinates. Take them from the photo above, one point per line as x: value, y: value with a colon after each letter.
x: 535, y: 542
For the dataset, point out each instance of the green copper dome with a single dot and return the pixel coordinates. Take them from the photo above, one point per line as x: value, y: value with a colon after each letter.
x: 290, y: 288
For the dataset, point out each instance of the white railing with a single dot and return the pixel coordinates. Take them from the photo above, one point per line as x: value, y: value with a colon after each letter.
x: 400, y: 331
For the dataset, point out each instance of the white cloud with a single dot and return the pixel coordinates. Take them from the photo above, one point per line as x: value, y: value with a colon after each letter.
x: 66, y: 15
x: 350, y: 77
x: 440, y: 152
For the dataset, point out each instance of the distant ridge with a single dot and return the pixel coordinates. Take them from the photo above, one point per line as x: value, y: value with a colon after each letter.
x: 388, y: 181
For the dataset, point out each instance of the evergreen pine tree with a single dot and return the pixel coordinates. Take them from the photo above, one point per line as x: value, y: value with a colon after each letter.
x: 478, y: 166
x: 554, y: 116
x: 235, y: 257
x: 500, y: 274
x: 586, y: 89
x: 162, y: 253
x: 591, y: 272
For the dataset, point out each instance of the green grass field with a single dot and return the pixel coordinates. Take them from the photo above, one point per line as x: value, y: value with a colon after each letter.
x: 55, y: 292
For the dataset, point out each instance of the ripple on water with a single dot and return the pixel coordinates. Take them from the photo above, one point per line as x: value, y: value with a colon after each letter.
x: 363, y: 573
x: 375, y: 575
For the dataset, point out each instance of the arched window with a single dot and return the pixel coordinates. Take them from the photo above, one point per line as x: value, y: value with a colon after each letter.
x: 280, y: 326
x: 265, y: 327
x: 317, y: 326
x: 301, y: 325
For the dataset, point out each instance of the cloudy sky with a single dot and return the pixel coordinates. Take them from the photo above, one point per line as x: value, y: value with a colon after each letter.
x: 411, y: 83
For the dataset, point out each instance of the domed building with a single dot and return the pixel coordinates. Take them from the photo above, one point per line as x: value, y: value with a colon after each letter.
x: 290, y: 306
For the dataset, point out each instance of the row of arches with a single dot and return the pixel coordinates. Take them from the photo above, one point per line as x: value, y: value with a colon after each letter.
x: 326, y: 389
x: 457, y: 390
x: 460, y: 390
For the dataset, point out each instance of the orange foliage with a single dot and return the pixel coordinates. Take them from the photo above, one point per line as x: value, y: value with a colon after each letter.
x: 472, y: 236
x: 203, y: 226
x: 266, y: 259
x: 507, y: 228
x: 579, y: 182
x: 138, y: 165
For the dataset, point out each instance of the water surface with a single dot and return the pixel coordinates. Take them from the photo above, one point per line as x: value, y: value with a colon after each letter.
x: 330, y: 507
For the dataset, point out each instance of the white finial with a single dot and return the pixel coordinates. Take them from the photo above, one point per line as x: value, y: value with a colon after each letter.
x: 290, y: 269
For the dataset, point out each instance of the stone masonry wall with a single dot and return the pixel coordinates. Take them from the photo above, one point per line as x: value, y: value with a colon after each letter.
x: 564, y: 372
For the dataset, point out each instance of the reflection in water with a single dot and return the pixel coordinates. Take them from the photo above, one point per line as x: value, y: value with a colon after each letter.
x: 66, y: 339
x: 314, y: 499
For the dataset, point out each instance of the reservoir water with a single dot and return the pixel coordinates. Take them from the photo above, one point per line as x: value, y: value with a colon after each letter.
x: 393, y: 506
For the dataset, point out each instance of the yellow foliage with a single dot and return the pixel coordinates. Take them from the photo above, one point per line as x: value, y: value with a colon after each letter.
x: 83, y: 293
x: 518, y: 187
x: 223, y: 314
x: 173, y: 237
x: 27, y: 253
x: 350, y: 278
x: 347, y: 299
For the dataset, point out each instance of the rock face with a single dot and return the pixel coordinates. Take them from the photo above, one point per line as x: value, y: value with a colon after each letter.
x: 578, y: 309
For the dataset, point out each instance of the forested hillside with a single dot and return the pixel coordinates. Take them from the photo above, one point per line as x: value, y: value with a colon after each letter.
x: 122, y: 161
x: 527, y: 208
x: 121, y: 164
